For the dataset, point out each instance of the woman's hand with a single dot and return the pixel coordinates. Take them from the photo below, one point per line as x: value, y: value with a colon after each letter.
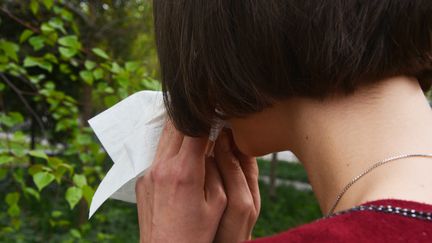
x: 181, y: 197
x: 240, y: 177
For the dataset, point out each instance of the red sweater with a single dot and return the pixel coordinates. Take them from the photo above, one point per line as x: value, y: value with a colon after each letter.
x: 362, y: 226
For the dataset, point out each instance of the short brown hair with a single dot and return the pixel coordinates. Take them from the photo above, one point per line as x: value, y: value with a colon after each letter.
x: 239, y: 56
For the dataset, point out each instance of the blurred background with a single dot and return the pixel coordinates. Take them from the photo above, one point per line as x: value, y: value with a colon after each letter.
x: 61, y: 63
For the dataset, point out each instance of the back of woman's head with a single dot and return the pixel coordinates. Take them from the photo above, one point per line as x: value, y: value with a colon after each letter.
x: 239, y: 56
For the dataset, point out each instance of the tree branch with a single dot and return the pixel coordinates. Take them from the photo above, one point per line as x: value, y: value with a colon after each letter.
x: 77, y: 12
x: 25, y: 24
x: 24, y: 101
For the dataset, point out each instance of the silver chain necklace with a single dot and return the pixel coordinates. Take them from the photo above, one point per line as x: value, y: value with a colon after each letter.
x: 367, y: 171
x: 412, y: 213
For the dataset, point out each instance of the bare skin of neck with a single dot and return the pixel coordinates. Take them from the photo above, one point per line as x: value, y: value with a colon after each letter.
x: 341, y: 137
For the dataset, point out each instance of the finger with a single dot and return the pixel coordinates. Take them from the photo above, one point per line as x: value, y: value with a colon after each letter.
x: 169, y: 142
x: 234, y: 180
x: 192, y: 156
x: 144, y: 197
x: 250, y: 169
x: 214, y: 191
x: 194, y: 146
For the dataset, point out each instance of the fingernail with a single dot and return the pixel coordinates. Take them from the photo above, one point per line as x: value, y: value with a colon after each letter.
x: 209, y: 149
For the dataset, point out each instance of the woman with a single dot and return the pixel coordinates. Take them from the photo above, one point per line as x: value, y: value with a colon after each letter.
x: 339, y: 83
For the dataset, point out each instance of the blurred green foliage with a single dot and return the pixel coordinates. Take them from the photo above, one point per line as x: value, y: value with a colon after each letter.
x: 61, y: 62
x: 289, y: 209
x: 285, y: 170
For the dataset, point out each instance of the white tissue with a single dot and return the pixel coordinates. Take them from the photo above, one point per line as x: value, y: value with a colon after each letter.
x: 129, y: 132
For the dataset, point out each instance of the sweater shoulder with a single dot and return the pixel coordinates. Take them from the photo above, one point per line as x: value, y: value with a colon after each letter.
x: 370, y: 226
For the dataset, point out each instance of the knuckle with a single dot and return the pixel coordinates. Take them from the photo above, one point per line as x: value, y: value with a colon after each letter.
x: 157, y: 175
x: 182, y: 177
x: 185, y: 181
x: 243, y: 207
x: 221, y: 197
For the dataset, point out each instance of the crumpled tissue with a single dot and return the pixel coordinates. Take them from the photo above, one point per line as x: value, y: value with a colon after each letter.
x: 129, y: 131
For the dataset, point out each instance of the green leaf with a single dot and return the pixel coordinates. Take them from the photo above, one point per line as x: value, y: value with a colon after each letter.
x: 58, y: 173
x: 19, y: 137
x: 18, y: 151
x: 19, y: 177
x: 61, y: 126
x: 109, y: 90
x: 87, y: 76
x: 152, y: 84
x: 30, y: 61
x: 46, y: 28
x: 51, y: 58
x: 42, y: 179
x: 25, y: 35
x: 65, y: 68
x: 57, y: 23
x: 89, y: 65
x: 35, y: 169
x: 38, y: 154
x: 131, y: 66
x: 54, y: 162
x: 98, y: 73
x: 70, y: 41
x: 56, y: 213
x: 79, y: 180
x: 122, y: 81
x: 36, y: 79
x: 75, y: 233
x: 48, y: 4
x: 51, y: 38
x: 74, y: 63
x: 88, y: 193
x: 66, y: 15
x: 73, y: 196
x: 16, y: 117
x: 38, y: 42
x: 10, y: 49
x: 115, y: 68
x: 3, y: 60
x: 85, y: 157
x: 84, y: 139
x: 50, y: 85
x: 67, y: 53
x: 110, y: 100
x: 32, y: 192
x: 100, y: 53
x: 12, y: 198
x: 14, y: 210
x: 5, y: 159
x: 11, y: 119
x: 34, y: 6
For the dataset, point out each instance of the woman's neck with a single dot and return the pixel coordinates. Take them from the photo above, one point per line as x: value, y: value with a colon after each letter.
x: 339, y: 138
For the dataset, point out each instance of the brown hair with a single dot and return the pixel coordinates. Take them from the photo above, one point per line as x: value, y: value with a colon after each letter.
x: 239, y: 56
